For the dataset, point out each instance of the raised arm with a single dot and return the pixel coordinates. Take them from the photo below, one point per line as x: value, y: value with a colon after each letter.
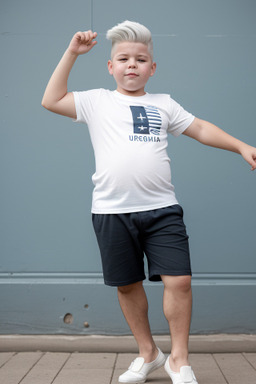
x: 209, y: 134
x: 56, y: 98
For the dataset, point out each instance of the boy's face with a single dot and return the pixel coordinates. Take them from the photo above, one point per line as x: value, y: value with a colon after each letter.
x: 131, y: 66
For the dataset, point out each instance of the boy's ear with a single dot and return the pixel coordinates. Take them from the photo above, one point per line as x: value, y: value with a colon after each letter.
x: 110, y: 67
x: 153, y: 69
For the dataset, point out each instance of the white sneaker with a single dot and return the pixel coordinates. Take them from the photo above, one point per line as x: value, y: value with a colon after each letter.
x: 185, y: 376
x: 139, y: 370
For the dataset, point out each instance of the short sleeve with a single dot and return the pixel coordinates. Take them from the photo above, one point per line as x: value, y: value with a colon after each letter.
x: 85, y: 102
x: 179, y: 118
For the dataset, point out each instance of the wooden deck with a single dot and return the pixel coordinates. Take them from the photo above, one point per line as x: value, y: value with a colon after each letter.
x: 104, y: 368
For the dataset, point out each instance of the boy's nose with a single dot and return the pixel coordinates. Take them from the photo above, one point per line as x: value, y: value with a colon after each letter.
x: 132, y: 64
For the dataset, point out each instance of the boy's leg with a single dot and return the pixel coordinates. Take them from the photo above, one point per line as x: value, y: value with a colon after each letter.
x: 177, y: 304
x: 134, y: 304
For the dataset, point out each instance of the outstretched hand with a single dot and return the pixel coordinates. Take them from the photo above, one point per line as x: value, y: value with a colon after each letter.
x: 249, y: 154
x: 82, y: 42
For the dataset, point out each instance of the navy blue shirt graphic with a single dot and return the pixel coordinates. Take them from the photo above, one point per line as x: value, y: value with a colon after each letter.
x: 140, y: 120
x: 146, y: 120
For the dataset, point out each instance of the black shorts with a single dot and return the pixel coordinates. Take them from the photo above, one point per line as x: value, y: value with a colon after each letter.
x: 123, y: 240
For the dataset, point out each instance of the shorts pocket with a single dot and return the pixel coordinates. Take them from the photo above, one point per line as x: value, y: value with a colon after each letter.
x: 176, y: 209
x: 96, y: 221
x: 181, y: 210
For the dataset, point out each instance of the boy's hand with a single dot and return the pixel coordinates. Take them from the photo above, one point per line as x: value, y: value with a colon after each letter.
x: 249, y: 154
x: 82, y: 42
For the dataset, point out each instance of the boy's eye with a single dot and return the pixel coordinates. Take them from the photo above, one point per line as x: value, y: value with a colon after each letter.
x: 123, y: 59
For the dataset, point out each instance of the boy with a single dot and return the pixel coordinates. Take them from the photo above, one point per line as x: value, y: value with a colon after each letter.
x: 134, y: 207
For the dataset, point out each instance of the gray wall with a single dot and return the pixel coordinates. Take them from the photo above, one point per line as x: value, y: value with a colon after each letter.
x: 49, y: 260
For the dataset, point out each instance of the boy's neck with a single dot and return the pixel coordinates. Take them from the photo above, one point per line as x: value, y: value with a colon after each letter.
x: 131, y: 93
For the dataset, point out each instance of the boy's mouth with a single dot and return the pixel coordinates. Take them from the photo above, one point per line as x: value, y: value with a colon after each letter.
x: 132, y: 74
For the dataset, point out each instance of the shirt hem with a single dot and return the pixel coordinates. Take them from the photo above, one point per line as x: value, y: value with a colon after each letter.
x: 134, y: 209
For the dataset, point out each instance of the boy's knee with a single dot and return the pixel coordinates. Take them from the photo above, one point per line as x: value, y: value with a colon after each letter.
x: 185, y: 283
x: 129, y: 288
x: 180, y: 283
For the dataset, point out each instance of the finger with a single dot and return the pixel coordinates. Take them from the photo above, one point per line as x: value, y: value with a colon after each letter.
x: 80, y: 37
x: 253, y: 164
x: 87, y: 35
x: 90, y: 36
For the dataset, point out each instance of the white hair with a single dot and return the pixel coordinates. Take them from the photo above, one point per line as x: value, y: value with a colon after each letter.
x: 130, y: 31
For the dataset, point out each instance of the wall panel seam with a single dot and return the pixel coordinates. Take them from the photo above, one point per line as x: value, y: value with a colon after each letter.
x: 97, y: 278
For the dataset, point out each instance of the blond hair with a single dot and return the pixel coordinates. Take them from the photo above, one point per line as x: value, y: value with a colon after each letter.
x: 130, y: 31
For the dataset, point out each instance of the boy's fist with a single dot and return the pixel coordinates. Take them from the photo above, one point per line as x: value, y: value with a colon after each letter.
x: 82, y: 42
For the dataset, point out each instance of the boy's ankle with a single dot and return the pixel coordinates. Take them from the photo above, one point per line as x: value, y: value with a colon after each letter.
x: 149, y: 353
x: 176, y: 362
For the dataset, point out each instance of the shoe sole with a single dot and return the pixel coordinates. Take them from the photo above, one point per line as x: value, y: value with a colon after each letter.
x: 144, y: 380
x: 132, y: 382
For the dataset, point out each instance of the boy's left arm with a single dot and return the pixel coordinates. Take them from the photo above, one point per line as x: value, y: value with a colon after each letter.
x: 209, y: 134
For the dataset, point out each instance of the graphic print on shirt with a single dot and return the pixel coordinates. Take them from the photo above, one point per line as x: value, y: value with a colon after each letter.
x: 146, y: 120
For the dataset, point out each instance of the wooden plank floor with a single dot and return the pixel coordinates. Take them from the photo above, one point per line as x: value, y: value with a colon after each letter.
x: 104, y: 368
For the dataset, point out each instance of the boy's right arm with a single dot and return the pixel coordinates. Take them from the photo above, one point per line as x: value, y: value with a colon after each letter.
x: 56, y: 98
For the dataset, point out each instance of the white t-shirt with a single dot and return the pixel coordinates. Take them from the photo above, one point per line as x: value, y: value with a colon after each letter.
x: 129, y: 138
